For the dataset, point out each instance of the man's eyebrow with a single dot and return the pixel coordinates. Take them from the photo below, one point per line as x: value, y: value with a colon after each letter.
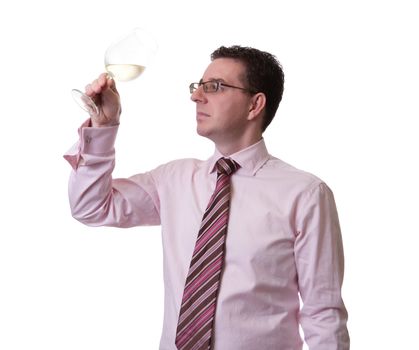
x: 212, y: 79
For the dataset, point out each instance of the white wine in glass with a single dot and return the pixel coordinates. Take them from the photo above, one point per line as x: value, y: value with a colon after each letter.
x: 125, y: 72
x: 125, y: 60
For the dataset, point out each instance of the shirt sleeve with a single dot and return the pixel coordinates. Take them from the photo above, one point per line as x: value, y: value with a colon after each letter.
x: 96, y: 199
x: 320, y: 267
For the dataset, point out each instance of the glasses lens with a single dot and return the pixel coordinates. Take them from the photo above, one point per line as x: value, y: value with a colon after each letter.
x: 211, y: 86
x: 193, y: 87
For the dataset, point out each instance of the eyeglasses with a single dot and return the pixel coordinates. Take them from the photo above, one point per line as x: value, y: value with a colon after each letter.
x: 214, y: 86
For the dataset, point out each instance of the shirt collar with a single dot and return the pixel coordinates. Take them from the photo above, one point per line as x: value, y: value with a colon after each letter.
x: 250, y: 159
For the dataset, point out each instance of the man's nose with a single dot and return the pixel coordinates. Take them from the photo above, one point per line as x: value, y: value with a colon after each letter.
x: 199, y: 95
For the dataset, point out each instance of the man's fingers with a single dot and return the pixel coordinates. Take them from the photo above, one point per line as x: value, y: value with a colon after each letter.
x: 102, y: 80
x: 99, y: 85
x: 111, y: 84
x: 88, y: 90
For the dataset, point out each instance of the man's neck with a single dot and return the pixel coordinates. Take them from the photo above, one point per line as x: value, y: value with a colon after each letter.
x: 226, y: 149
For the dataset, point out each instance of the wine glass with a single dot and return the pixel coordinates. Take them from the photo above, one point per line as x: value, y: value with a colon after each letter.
x: 125, y: 59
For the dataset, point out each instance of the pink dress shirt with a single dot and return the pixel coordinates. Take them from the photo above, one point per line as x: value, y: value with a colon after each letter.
x: 283, y: 240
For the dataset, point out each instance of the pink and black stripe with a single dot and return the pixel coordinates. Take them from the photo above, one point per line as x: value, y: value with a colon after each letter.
x: 199, y: 300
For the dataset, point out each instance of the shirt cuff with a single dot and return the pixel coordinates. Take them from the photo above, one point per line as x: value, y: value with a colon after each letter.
x: 94, y: 141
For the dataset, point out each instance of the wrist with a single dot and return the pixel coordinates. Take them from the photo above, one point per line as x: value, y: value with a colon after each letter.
x: 95, y: 124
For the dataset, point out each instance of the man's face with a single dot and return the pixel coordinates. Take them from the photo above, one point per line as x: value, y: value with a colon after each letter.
x: 222, y: 116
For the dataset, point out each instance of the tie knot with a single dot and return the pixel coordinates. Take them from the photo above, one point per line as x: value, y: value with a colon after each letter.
x: 226, y: 166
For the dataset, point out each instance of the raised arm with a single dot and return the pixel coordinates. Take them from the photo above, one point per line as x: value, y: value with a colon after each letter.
x: 96, y: 198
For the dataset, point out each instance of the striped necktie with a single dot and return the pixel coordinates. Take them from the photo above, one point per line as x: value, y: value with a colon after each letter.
x: 199, y: 300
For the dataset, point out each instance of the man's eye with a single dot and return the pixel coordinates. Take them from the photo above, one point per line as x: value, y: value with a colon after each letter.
x: 212, y: 86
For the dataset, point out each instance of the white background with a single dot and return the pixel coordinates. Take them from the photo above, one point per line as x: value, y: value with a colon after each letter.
x: 348, y: 115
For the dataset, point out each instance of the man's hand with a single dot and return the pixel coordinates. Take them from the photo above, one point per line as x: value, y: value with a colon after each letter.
x: 103, y: 91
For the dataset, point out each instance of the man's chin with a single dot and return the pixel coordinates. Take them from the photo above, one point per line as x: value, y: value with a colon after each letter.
x: 201, y: 131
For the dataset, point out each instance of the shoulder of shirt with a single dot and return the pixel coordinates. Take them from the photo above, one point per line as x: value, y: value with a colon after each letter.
x: 292, y: 175
x: 177, y: 166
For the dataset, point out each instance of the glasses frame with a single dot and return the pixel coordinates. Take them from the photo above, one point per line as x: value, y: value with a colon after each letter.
x: 194, y: 86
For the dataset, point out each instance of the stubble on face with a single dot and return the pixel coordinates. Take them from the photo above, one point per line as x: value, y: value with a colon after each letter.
x: 222, y: 116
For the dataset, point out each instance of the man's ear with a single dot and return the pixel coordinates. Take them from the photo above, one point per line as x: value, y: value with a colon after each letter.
x: 257, y: 105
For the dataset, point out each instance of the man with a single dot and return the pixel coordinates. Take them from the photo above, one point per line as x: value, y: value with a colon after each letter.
x: 282, y: 240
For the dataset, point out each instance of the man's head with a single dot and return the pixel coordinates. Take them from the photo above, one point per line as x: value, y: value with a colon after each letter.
x: 237, y: 97
x: 263, y: 74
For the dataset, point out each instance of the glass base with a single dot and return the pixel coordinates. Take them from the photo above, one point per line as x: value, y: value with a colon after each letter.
x: 85, y: 102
